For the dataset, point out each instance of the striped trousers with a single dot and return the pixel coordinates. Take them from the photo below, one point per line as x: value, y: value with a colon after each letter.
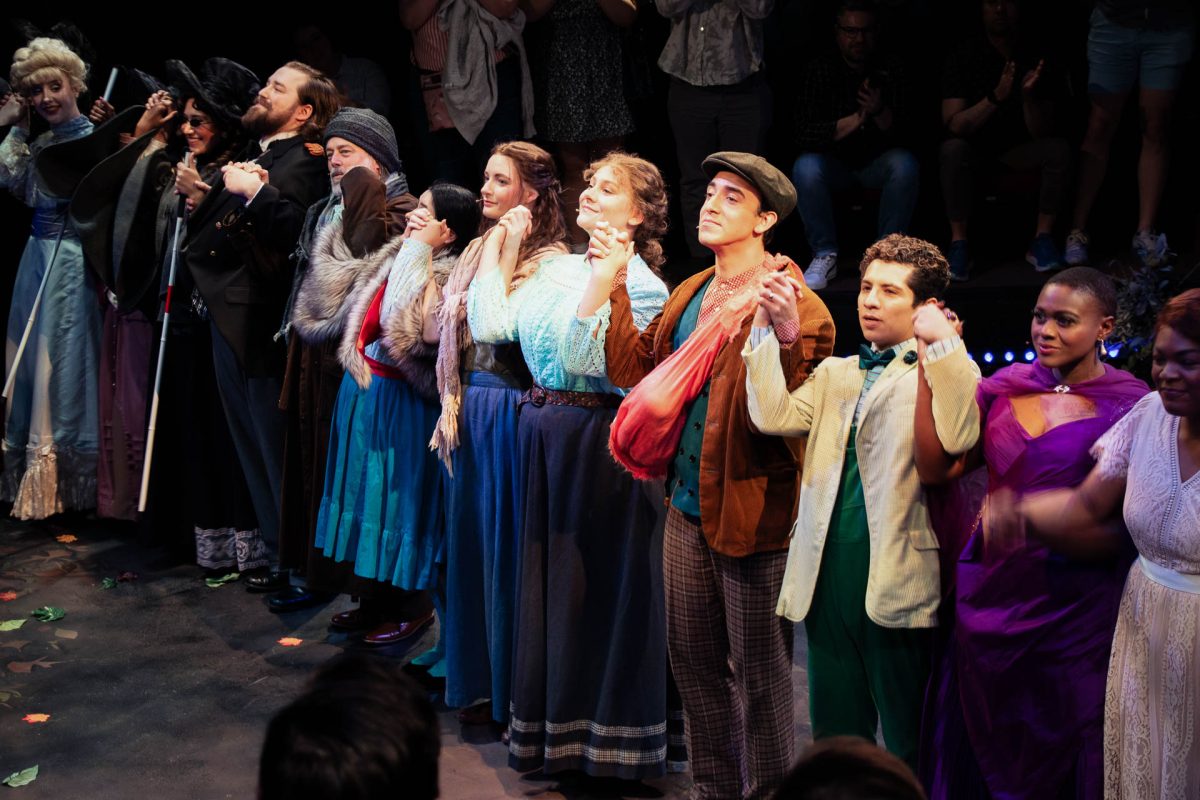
x: 732, y: 660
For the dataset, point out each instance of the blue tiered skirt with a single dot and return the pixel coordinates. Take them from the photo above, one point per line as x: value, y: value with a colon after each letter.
x: 382, y: 503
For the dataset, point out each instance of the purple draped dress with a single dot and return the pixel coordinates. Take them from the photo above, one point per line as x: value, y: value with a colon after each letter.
x: 1016, y: 705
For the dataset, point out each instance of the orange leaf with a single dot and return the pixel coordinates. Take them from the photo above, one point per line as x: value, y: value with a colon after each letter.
x: 290, y: 641
x: 32, y: 718
x: 66, y: 538
x: 7, y: 596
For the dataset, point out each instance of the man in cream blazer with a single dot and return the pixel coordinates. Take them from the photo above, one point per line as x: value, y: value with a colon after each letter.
x: 862, y: 568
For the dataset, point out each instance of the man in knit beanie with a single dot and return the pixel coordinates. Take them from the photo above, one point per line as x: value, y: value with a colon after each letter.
x: 368, y: 205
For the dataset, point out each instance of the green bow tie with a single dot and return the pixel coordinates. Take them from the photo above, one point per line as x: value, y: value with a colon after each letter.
x: 868, y: 358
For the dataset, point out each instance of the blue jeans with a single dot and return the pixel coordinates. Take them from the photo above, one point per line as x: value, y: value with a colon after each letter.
x: 818, y: 177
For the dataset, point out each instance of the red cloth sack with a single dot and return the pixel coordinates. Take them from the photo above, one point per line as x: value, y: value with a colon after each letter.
x: 645, y: 434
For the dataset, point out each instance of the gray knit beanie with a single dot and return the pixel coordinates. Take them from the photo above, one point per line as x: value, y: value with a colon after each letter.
x: 371, y: 132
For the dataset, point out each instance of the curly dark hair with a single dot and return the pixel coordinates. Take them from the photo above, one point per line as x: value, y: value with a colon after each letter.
x: 537, y: 171
x: 1182, y: 315
x: 930, y: 276
x: 649, y: 195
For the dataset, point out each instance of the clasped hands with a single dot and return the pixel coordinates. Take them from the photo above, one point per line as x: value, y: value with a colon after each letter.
x: 932, y: 322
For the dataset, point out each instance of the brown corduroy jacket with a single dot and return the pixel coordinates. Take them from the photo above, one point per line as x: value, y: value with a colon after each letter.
x: 749, y: 482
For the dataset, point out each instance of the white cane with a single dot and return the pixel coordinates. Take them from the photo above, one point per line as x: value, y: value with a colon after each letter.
x: 162, y: 352
x: 33, y: 311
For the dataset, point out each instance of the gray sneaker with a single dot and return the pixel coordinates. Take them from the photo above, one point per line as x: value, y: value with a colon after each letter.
x: 821, y: 271
x: 1076, y: 253
x: 1151, y: 248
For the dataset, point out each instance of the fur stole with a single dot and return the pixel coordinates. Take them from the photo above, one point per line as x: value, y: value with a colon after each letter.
x: 402, y: 336
x: 335, y: 283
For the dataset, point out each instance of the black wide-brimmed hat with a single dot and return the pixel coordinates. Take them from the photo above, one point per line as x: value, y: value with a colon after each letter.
x: 224, y: 87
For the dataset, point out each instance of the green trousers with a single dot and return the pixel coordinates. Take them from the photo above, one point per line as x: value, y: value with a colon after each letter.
x: 860, y: 675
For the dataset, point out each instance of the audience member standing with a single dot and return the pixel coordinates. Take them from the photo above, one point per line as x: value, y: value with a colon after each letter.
x: 998, y: 100
x: 719, y: 98
x: 239, y: 242
x: 579, y: 83
x: 850, y: 122
x: 474, y: 81
x: 1150, y: 42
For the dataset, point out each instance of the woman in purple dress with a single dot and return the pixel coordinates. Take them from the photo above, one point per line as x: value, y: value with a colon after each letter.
x: 1016, y: 703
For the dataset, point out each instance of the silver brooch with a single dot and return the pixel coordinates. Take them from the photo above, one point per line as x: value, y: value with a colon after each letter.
x: 1062, y: 388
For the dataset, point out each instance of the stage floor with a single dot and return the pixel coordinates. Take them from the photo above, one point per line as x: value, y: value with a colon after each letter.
x: 161, y: 687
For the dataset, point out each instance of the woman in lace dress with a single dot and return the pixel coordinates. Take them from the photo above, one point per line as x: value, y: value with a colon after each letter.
x: 1149, y: 465
x: 51, y: 427
x: 590, y: 661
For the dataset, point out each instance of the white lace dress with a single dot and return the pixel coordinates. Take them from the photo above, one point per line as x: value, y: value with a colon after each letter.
x: 1152, y: 708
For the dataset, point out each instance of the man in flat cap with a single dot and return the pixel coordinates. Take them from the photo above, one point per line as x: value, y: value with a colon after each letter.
x: 731, y: 490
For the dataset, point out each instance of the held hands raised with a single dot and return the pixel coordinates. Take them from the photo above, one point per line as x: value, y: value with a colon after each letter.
x: 777, y: 297
x: 158, y: 112
x: 609, y: 252
x: 933, y: 322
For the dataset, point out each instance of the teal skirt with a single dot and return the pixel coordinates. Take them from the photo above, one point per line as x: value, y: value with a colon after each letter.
x: 382, y: 504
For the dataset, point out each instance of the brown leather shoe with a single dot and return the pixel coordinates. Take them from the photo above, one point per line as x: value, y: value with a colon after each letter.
x: 393, y: 632
x: 354, y: 619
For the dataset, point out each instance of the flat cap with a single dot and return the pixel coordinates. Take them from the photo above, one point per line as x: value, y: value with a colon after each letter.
x: 773, y: 186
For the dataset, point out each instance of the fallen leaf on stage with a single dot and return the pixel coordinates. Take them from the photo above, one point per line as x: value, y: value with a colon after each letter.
x: 16, y: 644
x: 6, y: 695
x: 66, y: 538
x: 32, y: 718
x: 48, y: 613
x: 108, y: 583
x: 62, y: 633
x: 7, y: 596
x: 216, y: 583
x: 11, y: 624
x: 127, y: 577
x: 290, y: 641
x: 22, y: 778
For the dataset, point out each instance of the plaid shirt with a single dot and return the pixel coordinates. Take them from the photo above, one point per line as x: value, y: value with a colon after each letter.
x: 829, y: 91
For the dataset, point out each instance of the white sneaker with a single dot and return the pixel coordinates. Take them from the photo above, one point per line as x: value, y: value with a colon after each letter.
x: 1151, y: 248
x: 821, y: 271
x: 1076, y: 253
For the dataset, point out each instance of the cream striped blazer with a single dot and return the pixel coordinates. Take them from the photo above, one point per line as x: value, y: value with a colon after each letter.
x: 903, y: 586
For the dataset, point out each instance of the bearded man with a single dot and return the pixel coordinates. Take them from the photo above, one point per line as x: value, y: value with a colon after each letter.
x: 239, y: 241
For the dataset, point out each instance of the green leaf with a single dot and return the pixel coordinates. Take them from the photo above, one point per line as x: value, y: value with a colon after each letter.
x: 48, y: 613
x: 108, y: 583
x: 11, y: 624
x: 22, y: 778
x: 217, y: 583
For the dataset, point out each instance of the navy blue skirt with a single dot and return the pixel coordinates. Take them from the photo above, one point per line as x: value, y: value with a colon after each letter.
x: 483, y: 518
x: 590, y: 665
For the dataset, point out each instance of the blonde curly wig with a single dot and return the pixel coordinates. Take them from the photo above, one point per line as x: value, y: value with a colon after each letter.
x: 42, y: 60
